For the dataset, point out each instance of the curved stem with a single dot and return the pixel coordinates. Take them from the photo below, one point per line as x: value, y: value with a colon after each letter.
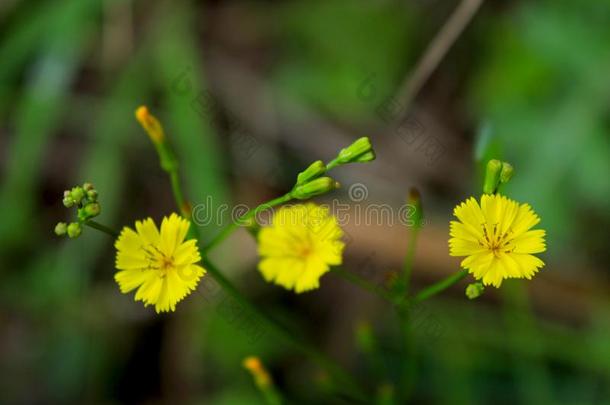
x: 102, y: 228
x: 440, y: 286
x: 227, y: 231
x: 351, y: 387
x: 367, y: 285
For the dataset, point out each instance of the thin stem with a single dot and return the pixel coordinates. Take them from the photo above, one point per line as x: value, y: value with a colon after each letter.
x: 177, y: 190
x: 440, y: 286
x: 341, y: 376
x: 280, y: 331
x: 407, y: 267
x: 367, y: 285
x: 408, y: 371
x: 102, y: 228
x: 228, y: 230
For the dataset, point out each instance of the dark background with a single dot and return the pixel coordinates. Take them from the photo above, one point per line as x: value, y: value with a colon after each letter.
x: 251, y: 92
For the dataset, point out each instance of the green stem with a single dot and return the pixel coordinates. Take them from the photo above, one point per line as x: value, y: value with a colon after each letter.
x: 367, y: 285
x: 440, y: 286
x: 407, y: 267
x: 351, y: 387
x: 281, y: 332
x: 102, y: 228
x: 409, y: 364
x: 227, y: 231
x: 177, y: 190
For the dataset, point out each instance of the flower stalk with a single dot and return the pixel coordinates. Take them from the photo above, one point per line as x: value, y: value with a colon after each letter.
x: 348, y: 385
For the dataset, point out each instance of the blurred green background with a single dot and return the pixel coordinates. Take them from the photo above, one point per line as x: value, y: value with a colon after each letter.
x: 250, y: 92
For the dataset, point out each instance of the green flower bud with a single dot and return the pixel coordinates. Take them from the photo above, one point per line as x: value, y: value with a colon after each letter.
x: 474, y: 290
x: 315, y: 170
x: 92, y: 195
x: 360, y: 151
x: 77, y: 194
x: 61, y: 228
x: 492, y: 176
x: 88, y: 186
x: 367, y: 157
x: 507, y: 172
x: 68, y: 202
x: 74, y: 230
x: 315, y: 187
x: 92, y: 210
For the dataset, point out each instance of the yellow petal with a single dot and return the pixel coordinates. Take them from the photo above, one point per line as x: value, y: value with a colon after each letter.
x: 148, y: 232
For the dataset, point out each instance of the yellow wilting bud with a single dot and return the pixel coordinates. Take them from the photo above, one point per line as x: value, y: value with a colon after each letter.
x: 414, y: 200
x: 253, y: 364
x: 151, y: 124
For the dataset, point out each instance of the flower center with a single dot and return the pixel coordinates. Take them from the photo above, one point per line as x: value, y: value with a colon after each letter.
x: 304, y: 250
x: 157, y: 260
x: 495, y: 241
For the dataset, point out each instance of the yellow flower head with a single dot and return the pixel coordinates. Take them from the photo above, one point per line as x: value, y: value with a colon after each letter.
x: 497, y: 239
x: 161, y: 265
x: 299, y: 246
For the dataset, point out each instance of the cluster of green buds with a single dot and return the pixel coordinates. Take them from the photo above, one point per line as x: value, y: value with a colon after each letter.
x: 496, y: 173
x: 85, y: 200
x: 312, y: 181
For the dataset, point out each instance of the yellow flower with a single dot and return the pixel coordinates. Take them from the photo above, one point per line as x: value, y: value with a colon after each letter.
x: 161, y: 265
x: 299, y: 246
x: 497, y: 239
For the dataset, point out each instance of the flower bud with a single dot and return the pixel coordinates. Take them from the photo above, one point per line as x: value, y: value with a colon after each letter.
x: 88, y: 186
x: 151, y: 124
x: 61, y: 228
x: 68, y: 202
x: 360, y: 151
x: 414, y: 201
x: 92, y: 195
x: 74, y: 230
x: 507, y: 172
x: 254, y: 365
x: 492, y: 176
x: 315, y: 187
x: 474, y: 290
x: 92, y: 210
x: 315, y: 170
x: 77, y: 194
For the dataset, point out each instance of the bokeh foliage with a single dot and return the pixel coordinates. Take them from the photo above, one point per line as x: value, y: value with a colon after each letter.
x: 539, y: 84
